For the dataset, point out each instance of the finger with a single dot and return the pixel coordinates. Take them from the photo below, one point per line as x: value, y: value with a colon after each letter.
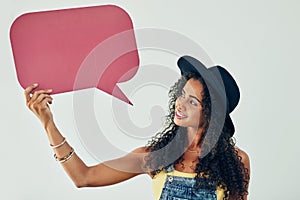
x: 45, y: 101
x: 37, y: 106
x: 41, y: 97
x: 34, y: 104
x: 36, y: 94
x: 28, y: 90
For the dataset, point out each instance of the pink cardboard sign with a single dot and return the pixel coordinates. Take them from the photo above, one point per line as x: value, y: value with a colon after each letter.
x: 73, y: 49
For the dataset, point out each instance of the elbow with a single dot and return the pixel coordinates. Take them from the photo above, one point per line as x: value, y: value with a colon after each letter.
x: 84, y: 181
x: 83, y: 184
x: 80, y: 184
x: 87, y: 179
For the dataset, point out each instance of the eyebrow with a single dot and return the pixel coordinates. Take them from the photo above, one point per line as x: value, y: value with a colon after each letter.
x: 192, y: 96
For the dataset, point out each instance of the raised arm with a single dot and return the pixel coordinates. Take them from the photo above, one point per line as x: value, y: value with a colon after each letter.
x: 106, y: 173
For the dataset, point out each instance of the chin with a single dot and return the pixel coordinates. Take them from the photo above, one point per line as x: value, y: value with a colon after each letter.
x: 178, y: 123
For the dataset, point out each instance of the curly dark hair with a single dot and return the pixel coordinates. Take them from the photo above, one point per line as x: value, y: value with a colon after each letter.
x: 221, y: 166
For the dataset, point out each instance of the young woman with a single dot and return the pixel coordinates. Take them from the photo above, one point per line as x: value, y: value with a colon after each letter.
x: 194, y: 157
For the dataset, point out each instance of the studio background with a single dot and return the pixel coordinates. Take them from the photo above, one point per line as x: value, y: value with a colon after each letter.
x: 257, y: 41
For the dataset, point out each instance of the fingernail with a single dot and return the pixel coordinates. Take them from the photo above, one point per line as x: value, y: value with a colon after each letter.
x: 36, y: 84
x: 50, y: 90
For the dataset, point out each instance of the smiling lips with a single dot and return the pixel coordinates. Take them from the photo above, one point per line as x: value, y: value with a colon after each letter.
x: 179, y: 115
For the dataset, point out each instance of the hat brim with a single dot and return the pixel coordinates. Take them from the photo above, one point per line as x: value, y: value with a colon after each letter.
x: 230, y: 125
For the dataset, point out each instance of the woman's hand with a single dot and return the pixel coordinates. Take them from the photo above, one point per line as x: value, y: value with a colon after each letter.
x: 38, y: 102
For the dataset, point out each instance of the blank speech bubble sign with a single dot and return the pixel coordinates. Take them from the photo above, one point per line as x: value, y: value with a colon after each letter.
x: 52, y: 47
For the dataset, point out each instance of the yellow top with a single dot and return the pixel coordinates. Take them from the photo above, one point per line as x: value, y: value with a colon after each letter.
x: 158, y: 182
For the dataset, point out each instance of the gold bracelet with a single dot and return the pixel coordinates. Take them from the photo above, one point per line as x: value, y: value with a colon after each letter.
x: 66, y: 158
x: 59, y: 145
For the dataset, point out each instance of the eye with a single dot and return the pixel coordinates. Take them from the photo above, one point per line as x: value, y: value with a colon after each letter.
x: 192, y: 102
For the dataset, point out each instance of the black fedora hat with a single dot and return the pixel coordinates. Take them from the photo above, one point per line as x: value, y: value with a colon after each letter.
x: 221, y: 85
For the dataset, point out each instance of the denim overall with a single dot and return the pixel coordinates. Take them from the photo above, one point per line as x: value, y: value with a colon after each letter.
x: 182, y: 188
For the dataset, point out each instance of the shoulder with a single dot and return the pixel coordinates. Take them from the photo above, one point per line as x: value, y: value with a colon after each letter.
x: 243, y: 155
x: 140, y: 154
x: 245, y: 159
x: 140, y: 150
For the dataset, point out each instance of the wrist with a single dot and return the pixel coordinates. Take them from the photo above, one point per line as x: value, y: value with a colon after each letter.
x: 49, y: 126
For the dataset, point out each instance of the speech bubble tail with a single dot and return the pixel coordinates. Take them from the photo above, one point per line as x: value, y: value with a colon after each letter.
x: 118, y: 93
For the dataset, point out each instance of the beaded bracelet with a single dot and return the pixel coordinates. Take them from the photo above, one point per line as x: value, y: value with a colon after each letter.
x: 59, y: 145
x: 66, y: 158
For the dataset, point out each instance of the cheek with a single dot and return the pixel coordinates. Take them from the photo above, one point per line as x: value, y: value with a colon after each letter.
x: 197, y: 112
x: 176, y: 102
x: 197, y: 115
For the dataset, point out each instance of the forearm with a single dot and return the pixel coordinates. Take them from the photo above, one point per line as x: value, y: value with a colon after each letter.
x: 74, y: 166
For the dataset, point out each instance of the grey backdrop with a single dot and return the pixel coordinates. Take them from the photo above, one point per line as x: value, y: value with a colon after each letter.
x: 256, y: 40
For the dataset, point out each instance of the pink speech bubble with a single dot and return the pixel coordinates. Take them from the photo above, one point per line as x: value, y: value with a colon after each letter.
x: 51, y: 47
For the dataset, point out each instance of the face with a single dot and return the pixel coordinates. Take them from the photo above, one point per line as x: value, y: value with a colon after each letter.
x: 188, y: 108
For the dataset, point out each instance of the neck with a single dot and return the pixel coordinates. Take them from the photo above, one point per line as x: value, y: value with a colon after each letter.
x: 194, y: 136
